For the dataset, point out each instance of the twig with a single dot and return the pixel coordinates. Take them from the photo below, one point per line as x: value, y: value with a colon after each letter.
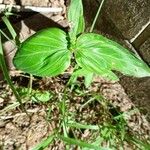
x: 6, y: 117
x: 18, y: 8
x: 12, y: 106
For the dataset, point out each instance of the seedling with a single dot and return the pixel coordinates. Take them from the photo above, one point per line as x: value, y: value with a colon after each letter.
x: 49, y: 52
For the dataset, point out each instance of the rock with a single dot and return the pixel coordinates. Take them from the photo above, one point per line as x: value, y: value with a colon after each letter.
x: 1, y: 100
x: 145, y: 50
x: 128, y: 16
x: 138, y: 91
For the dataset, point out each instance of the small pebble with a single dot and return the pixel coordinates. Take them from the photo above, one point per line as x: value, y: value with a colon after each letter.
x: 1, y: 100
x: 2, y: 124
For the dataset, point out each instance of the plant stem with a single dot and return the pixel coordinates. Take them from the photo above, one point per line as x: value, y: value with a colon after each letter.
x: 6, y: 75
x: 9, y: 26
x: 7, y: 37
x: 97, y: 14
x: 30, y: 84
x: 11, y: 30
x: 64, y: 112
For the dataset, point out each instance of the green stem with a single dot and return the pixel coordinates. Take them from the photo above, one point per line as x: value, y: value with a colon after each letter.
x: 7, y: 37
x: 97, y: 14
x: 64, y: 112
x: 6, y: 75
x: 11, y: 30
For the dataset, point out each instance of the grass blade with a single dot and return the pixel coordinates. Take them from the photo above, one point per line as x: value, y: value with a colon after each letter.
x: 10, y: 28
x: 82, y: 126
x: 97, y: 14
x: 44, y: 143
x: 6, y: 75
x: 80, y: 143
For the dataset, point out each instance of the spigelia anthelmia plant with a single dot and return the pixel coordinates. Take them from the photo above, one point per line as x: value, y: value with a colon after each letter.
x: 49, y: 52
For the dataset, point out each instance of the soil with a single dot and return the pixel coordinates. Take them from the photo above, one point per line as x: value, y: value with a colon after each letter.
x: 19, y: 131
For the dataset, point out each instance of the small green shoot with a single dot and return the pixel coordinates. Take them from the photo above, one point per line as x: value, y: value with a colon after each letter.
x: 36, y: 95
x: 44, y: 143
x: 41, y: 96
x: 63, y: 111
x: 76, y: 20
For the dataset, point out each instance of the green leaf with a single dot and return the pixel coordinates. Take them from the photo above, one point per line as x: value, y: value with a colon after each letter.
x: 9, y: 27
x: 76, y: 19
x: 92, y: 61
x: 41, y: 96
x: 44, y: 54
x: 80, y: 143
x: 101, y: 55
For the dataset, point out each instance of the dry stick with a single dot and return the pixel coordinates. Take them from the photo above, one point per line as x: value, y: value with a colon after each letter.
x: 18, y: 8
x: 6, y: 117
x: 30, y: 84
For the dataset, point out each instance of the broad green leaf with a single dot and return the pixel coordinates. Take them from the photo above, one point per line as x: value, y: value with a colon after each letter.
x: 101, y: 55
x: 76, y: 19
x: 91, y: 61
x: 89, y: 73
x: 44, y: 54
